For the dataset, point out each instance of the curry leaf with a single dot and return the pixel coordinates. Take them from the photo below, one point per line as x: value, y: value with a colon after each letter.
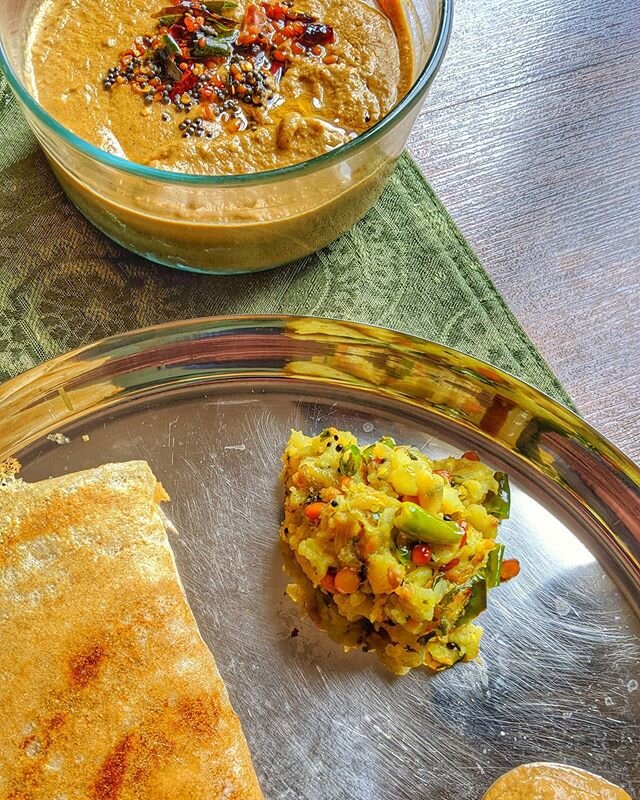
x: 213, y: 46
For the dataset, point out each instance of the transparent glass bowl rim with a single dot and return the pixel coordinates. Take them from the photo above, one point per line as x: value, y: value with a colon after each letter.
x: 164, y: 176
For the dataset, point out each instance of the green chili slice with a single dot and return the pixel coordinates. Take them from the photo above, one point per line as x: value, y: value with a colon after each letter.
x: 171, y: 44
x: 477, y: 602
x: 494, y: 562
x: 499, y: 503
x: 425, y: 527
x: 367, y: 453
x: 350, y: 460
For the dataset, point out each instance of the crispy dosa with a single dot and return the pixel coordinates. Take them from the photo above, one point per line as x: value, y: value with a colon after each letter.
x: 107, y: 691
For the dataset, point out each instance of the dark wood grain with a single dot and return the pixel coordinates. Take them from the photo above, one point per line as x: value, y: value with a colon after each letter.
x: 531, y: 137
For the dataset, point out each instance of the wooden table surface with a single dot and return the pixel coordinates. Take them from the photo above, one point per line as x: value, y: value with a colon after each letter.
x: 531, y: 137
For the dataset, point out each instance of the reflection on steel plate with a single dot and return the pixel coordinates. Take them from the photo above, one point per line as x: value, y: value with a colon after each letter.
x: 210, y: 404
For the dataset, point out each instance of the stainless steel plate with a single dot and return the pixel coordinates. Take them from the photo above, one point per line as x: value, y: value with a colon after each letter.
x: 210, y: 403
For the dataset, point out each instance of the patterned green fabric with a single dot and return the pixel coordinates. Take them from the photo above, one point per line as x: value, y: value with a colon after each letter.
x: 405, y: 266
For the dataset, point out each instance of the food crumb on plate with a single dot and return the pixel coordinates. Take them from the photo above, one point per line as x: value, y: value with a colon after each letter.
x: 58, y: 438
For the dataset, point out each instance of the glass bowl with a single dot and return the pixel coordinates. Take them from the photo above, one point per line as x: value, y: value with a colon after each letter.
x: 236, y: 223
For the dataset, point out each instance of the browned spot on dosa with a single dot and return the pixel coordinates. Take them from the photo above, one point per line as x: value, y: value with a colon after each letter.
x: 56, y: 722
x: 85, y: 666
x: 37, y: 744
x: 109, y: 782
x: 199, y: 714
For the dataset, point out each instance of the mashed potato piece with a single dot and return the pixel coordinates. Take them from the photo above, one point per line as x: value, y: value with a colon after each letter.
x: 391, y: 551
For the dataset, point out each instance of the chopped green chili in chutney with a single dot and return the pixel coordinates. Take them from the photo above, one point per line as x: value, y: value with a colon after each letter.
x: 389, y: 550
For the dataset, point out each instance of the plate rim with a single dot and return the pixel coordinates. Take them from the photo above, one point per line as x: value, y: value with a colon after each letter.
x: 12, y: 386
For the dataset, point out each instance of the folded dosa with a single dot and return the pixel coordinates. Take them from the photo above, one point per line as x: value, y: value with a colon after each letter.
x: 107, y: 691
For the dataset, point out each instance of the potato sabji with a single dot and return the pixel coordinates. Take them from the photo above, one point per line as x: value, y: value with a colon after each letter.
x: 390, y: 550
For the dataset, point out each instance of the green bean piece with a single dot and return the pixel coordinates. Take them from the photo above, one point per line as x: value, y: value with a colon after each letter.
x: 494, y: 562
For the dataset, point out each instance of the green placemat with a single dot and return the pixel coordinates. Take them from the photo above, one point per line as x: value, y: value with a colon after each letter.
x: 404, y: 266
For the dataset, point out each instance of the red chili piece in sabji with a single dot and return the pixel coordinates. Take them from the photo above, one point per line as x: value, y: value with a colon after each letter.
x: 329, y: 582
x: 464, y: 526
x: 451, y: 564
x: 421, y: 555
x: 443, y: 473
x: 471, y: 455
